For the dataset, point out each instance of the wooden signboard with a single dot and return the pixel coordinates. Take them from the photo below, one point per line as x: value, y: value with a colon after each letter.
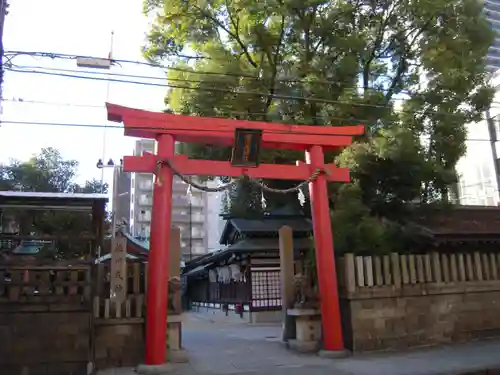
x: 246, y: 149
x: 118, y: 288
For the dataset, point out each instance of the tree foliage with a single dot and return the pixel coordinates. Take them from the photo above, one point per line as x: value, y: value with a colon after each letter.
x: 412, y: 71
x: 48, y: 171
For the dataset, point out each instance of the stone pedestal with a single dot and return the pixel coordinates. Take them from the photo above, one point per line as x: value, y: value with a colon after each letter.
x: 175, y: 352
x: 308, y: 330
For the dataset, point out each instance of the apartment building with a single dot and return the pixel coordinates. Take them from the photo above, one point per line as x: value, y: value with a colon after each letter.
x: 478, y: 169
x: 192, y: 212
x: 141, y: 194
x: 189, y: 213
x: 215, y: 223
x: 121, y: 195
x: 492, y: 12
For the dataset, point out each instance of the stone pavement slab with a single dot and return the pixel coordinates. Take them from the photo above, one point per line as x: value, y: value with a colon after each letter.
x: 244, y: 349
x: 444, y: 360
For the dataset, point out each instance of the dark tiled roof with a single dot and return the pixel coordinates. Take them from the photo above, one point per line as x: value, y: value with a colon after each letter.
x: 458, y: 221
x: 285, y: 211
x: 59, y: 200
x: 266, y: 244
x: 265, y: 225
x: 271, y: 225
x: 245, y: 246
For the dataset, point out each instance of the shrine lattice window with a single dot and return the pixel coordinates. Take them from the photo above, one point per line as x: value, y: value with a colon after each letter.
x: 266, y: 289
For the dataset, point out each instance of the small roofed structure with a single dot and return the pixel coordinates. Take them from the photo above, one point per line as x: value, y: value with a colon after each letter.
x: 456, y: 226
x: 21, y: 223
x: 137, y: 249
x: 246, y: 271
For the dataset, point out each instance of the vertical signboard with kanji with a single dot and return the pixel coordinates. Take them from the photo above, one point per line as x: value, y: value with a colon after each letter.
x: 118, y: 287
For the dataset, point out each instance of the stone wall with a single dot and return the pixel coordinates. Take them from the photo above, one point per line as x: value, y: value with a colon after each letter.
x: 399, y: 302
x: 45, y: 319
x: 43, y: 341
x: 118, y: 342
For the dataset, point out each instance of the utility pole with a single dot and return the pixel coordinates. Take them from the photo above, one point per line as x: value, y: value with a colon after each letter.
x: 100, y: 63
x: 492, y: 131
x: 105, y: 130
x: 3, y: 12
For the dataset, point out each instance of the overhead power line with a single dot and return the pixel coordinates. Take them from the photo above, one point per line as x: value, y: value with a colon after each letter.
x: 57, y: 104
x: 247, y: 93
x: 215, y: 89
x: 51, y: 55
x: 69, y: 56
x: 102, y: 126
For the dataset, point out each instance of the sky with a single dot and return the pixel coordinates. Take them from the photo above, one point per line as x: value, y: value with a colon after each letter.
x: 75, y: 28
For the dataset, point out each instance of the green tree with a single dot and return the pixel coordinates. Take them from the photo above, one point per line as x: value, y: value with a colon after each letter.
x: 243, y: 199
x: 412, y: 71
x: 91, y: 187
x: 48, y: 171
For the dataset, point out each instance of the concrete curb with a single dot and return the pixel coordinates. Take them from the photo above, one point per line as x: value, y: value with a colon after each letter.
x: 154, y: 369
x: 334, y: 354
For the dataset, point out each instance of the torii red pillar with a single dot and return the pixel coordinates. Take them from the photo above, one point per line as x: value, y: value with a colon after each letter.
x: 167, y: 128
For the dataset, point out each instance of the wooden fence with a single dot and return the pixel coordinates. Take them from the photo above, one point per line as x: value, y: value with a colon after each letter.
x: 397, y: 270
x: 133, y: 307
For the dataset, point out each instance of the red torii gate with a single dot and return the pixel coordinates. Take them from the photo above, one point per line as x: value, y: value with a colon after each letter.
x: 166, y: 129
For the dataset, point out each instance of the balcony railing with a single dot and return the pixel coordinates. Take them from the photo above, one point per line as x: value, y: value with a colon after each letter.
x: 144, y: 217
x: 146, y: 185
x: 195, y: 233
x: 184, y: 218
x: 145, y: 201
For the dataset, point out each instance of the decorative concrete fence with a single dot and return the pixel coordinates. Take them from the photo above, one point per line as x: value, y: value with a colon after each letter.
x: 119, y: 325
x: 398, y: 301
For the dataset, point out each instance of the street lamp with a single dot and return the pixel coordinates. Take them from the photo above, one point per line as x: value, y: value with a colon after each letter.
x: 116, y: 170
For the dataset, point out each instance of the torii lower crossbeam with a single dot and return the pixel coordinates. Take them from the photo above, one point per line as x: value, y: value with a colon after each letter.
x: 148, y: 163
x: 167, y: 129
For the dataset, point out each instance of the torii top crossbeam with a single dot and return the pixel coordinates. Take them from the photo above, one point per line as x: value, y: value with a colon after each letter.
x: 219, y: 131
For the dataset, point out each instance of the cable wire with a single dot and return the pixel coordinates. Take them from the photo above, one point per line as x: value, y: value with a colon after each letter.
x: 122, y: 75
x: 248, y: 93
x: 234, y: 113
x: 101, y: 126
x: 191, y: 71
x: 60, y: 104
x: 78, y: 72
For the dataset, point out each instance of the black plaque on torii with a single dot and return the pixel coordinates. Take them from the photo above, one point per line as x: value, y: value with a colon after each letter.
x: 246, y: 148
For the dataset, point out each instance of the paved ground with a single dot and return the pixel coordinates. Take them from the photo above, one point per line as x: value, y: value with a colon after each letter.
x: 218, y: 348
